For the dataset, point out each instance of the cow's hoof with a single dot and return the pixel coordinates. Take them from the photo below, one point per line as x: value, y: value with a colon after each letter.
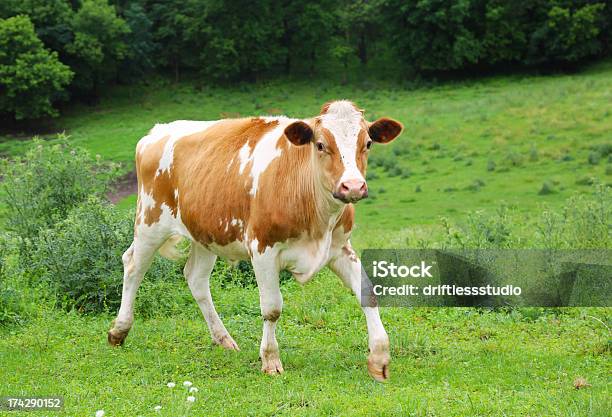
x: 226, y: 342
x: 272, y: 366
x: 117, y: 337
x: 378, y: 366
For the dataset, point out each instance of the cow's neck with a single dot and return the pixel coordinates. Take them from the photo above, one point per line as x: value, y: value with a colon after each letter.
x: 328, y: 209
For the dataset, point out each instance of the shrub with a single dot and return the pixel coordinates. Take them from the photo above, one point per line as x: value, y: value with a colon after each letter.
x: 482, y: 231
x: 594, y: 158
x: 32, y: 77
x: 547, y: 188
x: 40, y: 188
x: 11, y: 307
x: 533, y: 154
x: 81, y: 257
x: 583, y: 222
x: 490, y: 165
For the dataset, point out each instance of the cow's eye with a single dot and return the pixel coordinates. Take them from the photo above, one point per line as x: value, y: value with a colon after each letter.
x: 320, y: 146
x: 369, y: 144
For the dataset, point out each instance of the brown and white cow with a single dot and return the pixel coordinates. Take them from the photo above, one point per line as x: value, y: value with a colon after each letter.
x: 272, y: 190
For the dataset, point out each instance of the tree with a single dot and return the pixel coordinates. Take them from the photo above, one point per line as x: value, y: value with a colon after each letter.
x: 173, y: 29
x: 31, y: 77
x: 98, y: 46
x: 307, y: 30
x: 243, y: 39
x: 141, y: 47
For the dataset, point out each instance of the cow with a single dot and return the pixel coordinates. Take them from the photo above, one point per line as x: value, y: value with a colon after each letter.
x: 276, y: 191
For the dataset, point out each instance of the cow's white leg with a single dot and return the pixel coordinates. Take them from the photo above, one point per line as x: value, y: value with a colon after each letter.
x: 136, y: 262
x: 197, y: 272
x: 347, y: 266
x: 271, y: 304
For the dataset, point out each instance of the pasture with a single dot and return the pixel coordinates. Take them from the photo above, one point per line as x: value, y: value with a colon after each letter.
x: 527, y: 143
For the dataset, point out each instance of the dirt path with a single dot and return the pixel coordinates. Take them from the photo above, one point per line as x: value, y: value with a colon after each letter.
x: 125, y: 186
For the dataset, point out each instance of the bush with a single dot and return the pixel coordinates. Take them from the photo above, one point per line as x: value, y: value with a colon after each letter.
x: 81, y: 257
x: 40, y: 188
x: 11, y: 307
x: 547, y: 188
x: 32, y: 77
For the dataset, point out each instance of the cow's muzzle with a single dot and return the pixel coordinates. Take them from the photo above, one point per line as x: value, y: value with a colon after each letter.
x: 351, y: 191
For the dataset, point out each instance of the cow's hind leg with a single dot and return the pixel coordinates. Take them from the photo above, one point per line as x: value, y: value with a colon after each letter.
x: 347, y: 266
x: 197, y: 272
x: 271, y: 304
x: 136, y: 262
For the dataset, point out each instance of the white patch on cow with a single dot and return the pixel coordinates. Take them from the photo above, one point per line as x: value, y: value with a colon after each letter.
x: 344, y: 122
x: 147, y: 202
x: 264, y: 153
x: 244, y: 156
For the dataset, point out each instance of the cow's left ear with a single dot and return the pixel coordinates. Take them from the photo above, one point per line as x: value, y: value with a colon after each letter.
x: 299, y: 133
x: 384, y: 130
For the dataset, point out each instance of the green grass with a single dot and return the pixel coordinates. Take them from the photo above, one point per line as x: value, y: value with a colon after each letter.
x: 446, y: 362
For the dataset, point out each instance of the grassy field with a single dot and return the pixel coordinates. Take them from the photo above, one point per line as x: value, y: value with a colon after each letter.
x: 527, y: 142
x: 446, y: 362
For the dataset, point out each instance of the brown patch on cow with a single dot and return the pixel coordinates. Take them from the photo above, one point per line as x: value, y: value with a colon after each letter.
x: 273, y: 315
x: 384, y: 130
x: 212, y: 190
x: 347, y: 220
x: 333, y: 166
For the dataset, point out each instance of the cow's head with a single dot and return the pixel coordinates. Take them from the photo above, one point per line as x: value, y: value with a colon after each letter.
x: 342, y: 139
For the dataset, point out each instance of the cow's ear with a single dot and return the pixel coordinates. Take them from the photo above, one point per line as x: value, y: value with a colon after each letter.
x: 299, y: 133
x: 384, y: 130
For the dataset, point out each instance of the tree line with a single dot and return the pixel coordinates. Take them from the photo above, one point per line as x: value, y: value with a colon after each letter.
x: 54, y: 50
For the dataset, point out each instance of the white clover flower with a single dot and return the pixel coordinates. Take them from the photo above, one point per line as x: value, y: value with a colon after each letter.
x: 100, y: 413
x: 187, y: 384
x: 193, y: 389
x: 191, y: 399
x: 157, y: 407
x: 171, y: 384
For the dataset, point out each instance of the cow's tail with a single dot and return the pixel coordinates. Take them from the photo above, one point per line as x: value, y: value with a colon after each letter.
x: 173, y: 248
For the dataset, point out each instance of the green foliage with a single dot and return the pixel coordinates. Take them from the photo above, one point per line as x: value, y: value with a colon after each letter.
x: 98, y: 46
x: 441, y: 35
x: 243, y: 39
x: 51, y: 19
x: 81, y: 257
x: 31, y: 77
x: 582, y: 223
x: 141, y: 52
x: 12, y: 308
x: 40, y: 188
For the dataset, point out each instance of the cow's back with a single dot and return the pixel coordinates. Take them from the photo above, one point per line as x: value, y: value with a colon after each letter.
x: 195, y: 172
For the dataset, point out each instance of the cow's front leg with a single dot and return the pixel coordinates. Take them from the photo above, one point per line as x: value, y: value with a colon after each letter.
x: 347, y: 266
x: 271, y: 304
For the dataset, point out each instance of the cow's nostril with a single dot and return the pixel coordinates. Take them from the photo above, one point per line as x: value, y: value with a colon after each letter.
x: 344, y: 188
